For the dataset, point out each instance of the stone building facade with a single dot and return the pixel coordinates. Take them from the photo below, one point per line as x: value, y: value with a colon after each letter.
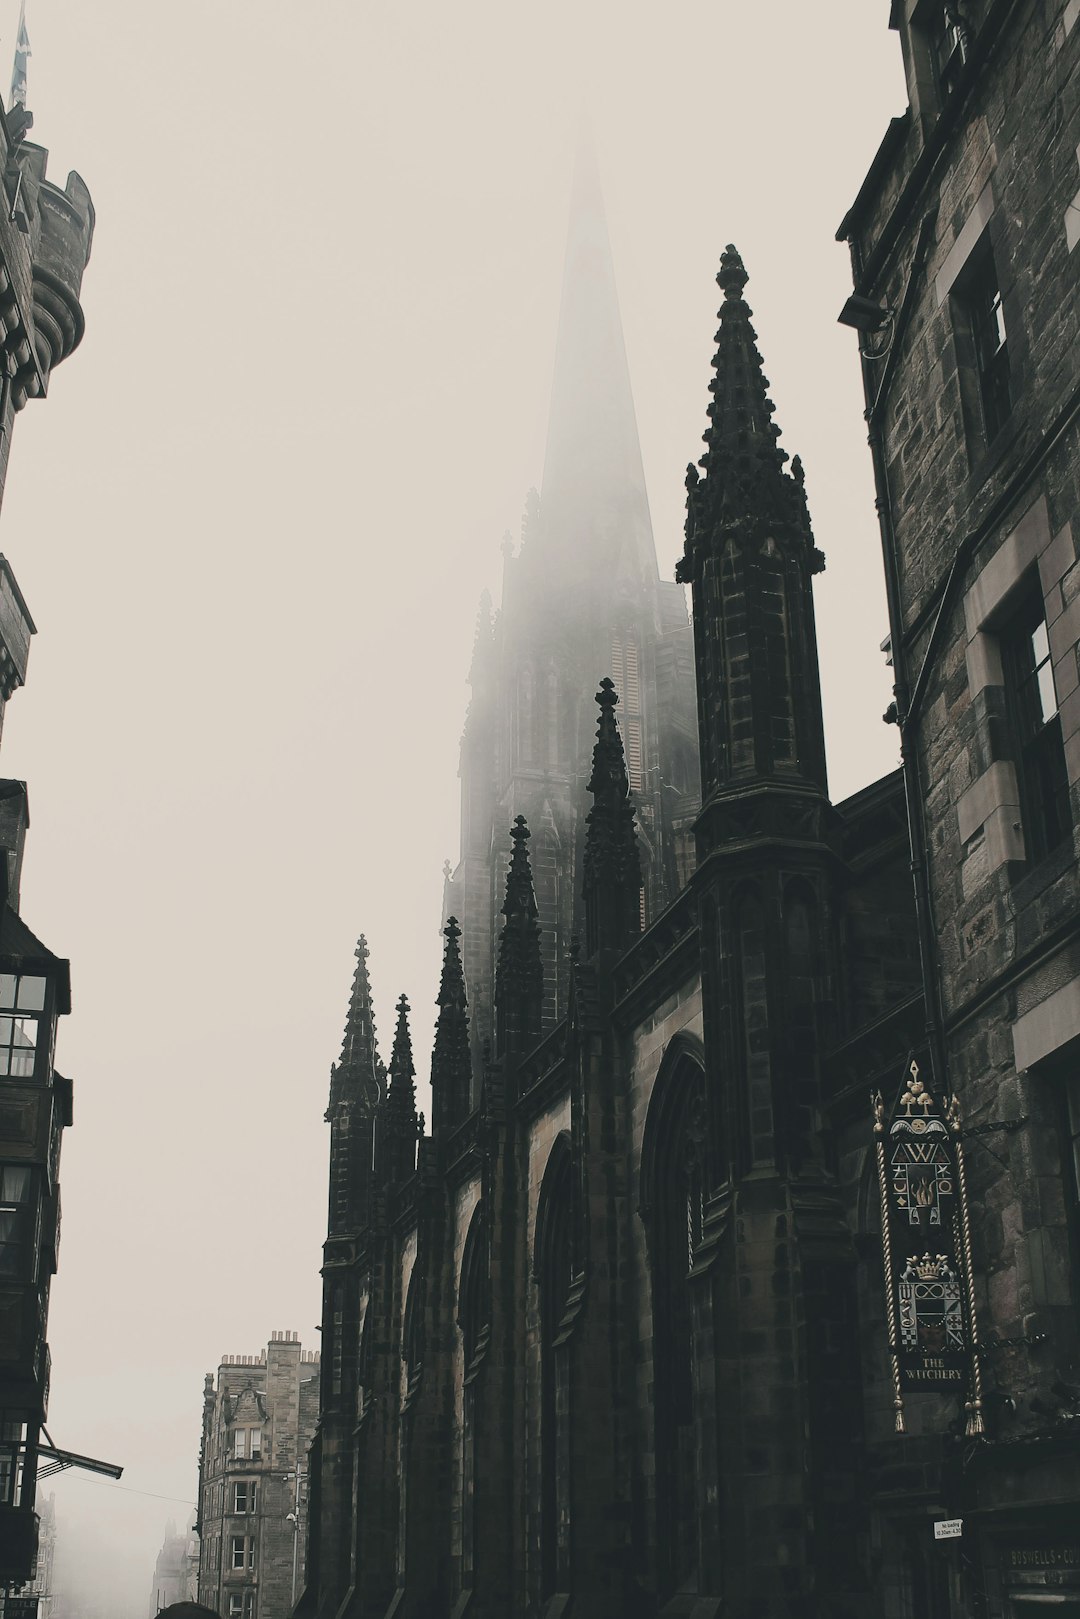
x: 259, y: 1417
x: 45, y: 238
x: 964, y: 243
x: 621, y: 1333
x: 589, y: 1345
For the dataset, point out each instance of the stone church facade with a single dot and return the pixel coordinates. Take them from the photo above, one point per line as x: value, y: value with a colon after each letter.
x: 618, y: 1334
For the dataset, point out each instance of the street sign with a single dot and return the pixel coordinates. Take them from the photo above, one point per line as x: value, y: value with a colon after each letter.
x: 948, y: 1528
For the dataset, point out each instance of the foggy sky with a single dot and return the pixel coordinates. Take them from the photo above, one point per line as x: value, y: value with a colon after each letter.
x: 252, y: 522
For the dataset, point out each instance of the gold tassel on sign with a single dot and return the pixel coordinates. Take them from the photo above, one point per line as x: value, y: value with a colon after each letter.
x: 974, y: 1424
x: 886, y: 1243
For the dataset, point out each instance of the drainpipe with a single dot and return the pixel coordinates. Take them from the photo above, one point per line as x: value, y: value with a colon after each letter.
x: 909, y: 756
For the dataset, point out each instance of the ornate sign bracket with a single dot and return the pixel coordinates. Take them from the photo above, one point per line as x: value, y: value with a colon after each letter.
x: 926, y: 1248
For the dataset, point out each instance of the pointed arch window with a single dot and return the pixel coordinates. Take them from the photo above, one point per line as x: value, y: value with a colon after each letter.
x: 554, y: 1274
x: 474, y: 1320
x: 675, y: 1176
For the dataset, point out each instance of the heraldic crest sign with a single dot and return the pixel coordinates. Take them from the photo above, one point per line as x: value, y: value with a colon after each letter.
x: 926, y: 1243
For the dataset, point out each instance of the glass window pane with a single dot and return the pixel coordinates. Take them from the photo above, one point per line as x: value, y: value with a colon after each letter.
x: 1047, y: 695
x: 1039, y: 642
x: 31, y: 996
x: 25, y: 1031
x: 6, y: 1026
x: 7, y: 989
x: 22, y: 1063
x: 14, y: 1184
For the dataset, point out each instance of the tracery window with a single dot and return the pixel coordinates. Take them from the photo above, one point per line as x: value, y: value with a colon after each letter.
x: 554, y: 1270
x: 474, y: 1319
x: 677, y: 1171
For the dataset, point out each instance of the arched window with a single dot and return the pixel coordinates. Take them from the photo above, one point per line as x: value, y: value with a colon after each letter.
x: 675, y: 1183
x: 801, y: 944
x: 758, y: 1103
x: 411, y: 1367
x: 474, y: 1319
x: 554, y: 1273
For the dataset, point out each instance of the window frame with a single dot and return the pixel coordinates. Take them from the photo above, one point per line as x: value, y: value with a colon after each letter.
x: 986, y: 363
x: 1037, y: 748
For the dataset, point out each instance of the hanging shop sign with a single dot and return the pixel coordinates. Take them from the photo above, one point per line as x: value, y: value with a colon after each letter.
x: 926, y: 1242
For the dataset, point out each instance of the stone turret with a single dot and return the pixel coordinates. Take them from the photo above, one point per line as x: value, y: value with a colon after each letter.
x: 750, y: 556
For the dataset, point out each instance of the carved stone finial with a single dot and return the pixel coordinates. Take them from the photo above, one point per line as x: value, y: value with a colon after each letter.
x: 731, y: 276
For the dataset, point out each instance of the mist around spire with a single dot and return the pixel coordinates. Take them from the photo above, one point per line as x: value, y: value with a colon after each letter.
x: 593, y: 503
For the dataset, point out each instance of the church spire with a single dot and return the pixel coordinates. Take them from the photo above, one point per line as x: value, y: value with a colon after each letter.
x: 519, y: 976
x: 750, y: 555
x: 354, y: 1078
x: 451, y: 1068
x: 612, y: 860
x: 745, y: 485
x: 400, y: 1127
x: 594, y: 509
x: 354, y: 1095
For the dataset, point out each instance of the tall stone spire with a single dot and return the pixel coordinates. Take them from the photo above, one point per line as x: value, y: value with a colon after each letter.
x: 354, y: 1095
x: 354, y: 1077
x: 593, y: 504
x: 581, y: 598
x: 750, y: 555
x: 400, y: 1127
x: 519, y: 976
x: 612, y: 862
x: 451, y: 1068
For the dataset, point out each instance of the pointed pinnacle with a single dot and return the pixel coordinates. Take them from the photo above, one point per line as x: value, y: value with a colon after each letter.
x: 401, y: 1095
x: 452, y: 983
x: 609, y: 761
x: 519, y: 970
x: 612, y: 863
x: 451, y: 1064
x: 520, y: 898
x: 745, y: 486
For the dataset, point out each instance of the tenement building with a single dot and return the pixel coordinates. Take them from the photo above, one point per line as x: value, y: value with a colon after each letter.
x: 45, y: 238
x: 259, y: 1417
x: 737, y: 1272
x: 964, y: 242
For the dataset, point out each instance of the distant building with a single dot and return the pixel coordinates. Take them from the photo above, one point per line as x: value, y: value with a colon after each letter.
x: 45, y: 238
x: 258, y: 1422
x: 42, y: 1589
x: 176, y: 1574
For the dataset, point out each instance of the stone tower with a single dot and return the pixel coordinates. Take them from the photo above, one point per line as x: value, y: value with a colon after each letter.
x: 582, y: 600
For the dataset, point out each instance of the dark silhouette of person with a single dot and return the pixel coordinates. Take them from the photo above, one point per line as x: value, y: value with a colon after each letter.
x: 187, y: 1610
